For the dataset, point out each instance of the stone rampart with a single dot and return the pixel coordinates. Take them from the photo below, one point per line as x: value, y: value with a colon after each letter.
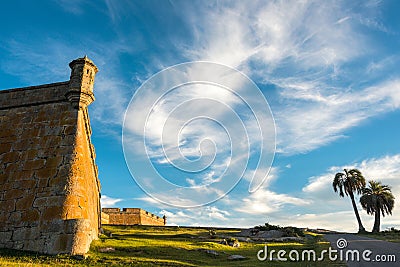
x: 132, y: 216
x: 49, y: 189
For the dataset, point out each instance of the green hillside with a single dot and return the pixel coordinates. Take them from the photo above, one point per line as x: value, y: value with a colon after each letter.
x: 167, y: 246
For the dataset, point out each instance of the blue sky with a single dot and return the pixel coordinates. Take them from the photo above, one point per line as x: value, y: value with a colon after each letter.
x: 329, y: 70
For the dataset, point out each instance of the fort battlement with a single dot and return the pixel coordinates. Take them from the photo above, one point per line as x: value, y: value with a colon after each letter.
x: 49, y: 189
x: 131, y: 216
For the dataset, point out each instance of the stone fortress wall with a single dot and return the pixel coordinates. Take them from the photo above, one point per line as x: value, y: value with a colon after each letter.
x: 131, y: 216
x: 49, y: 187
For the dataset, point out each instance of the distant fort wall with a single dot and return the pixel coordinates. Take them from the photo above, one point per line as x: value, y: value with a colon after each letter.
x: 131, y: 216
x: 49, y: 189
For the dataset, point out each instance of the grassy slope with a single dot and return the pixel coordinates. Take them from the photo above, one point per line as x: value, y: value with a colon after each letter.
x: 386, y: 236
x: 164, y: 246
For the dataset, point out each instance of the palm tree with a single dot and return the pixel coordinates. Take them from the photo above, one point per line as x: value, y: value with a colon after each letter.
x: 350, y: 182
x: 376, y: 199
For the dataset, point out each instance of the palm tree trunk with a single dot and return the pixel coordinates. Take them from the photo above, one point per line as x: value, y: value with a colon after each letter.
x: 377, y: 222
x: 360, y: 225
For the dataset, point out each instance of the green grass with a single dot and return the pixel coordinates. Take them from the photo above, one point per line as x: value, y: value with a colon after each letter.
x: 166, y: 246
x: 391, y: 236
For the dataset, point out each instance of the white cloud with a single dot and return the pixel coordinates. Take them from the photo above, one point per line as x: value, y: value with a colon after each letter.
x: 199, y: 119
x: 311, y: 41
x: 258, y: 177
x: 108, y: 202
x: 265, y: 201
x: 317, y: 206
x: 307, y: 33
x: 319, y: 189
x: 111, y: 100
x: 303, y: 48
x: 202, y: 216
x: 302, y: 126
x: 385, y: 169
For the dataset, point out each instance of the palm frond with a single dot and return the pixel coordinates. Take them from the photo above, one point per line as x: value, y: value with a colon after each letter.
x: 349, y: 182
x: 377, y: 198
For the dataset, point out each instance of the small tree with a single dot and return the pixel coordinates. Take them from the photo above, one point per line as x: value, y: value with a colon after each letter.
x: 350, y: 182
x: 377, y: 199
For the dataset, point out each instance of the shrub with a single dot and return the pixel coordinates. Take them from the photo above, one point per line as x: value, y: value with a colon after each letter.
x: 212, y: 233
x: 288, y: 231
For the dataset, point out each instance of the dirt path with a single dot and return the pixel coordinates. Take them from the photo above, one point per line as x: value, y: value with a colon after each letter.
x: 383, y: 254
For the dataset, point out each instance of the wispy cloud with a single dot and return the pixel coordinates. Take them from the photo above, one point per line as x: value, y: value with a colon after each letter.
x: 34, y: 64
x: 306, y: 49
x: 107, y: 202
x: 265, y: 201
x: 313, y: 43
x: 308, y: 34
x: 72, y: 6
x: 303, y: 127
x: 205, y: 121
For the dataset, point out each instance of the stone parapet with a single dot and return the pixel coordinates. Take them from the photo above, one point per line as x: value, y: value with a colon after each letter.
x: 33, y: 95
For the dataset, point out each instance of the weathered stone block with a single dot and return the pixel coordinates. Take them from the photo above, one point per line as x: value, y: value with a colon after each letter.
x: 22, y: 144
x: 50, y: 141
x: 7, y: 186
x: 46, y: 173
x: 48, y: 201
x: 15, y: 217
x: 12, y: 169
x: 71, y: 212
x: 23, y: 175
x: 30, y: 215
x: 7, y: 205
x: 25, y: 184
x: 69, y: 130
x: 63, y: 242
x: 30, y: 154
x: 25, y: 203
x: 10, y: 157
x: 39, y: 202
x: 28, y: 133
x: 48, y: 228
x: 3, y: 178
x: 54, y: 162
x: 4, y: 147
x: 51, y: 213
x: 35, y: 243
x: 34, y: 164
x: 5, y: 236
x: 14, y: 193
x: 18, y: 245
x: 41, y: 183
x: 41, y: 117
x: 6, y: 132
x: 23, y: 234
